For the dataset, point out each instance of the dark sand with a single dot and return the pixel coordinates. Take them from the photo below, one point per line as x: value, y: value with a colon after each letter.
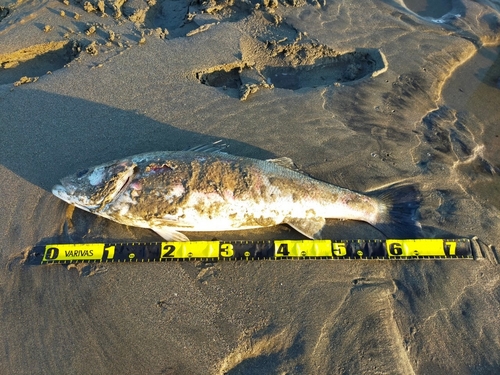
x: 362, y: 94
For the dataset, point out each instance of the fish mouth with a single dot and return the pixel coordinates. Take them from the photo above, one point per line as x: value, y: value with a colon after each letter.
x: 65, y: 193
x: 60, y: 192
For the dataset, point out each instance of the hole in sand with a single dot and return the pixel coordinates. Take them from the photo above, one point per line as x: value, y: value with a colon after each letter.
x: 222, y: 78
x: 4, y: 12
x: 36, y: 60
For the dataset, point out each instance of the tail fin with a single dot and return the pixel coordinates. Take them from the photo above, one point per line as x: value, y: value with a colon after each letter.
x: 398, y: 214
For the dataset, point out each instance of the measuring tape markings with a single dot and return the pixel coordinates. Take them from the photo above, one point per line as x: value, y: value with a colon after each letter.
x: 252, y: 250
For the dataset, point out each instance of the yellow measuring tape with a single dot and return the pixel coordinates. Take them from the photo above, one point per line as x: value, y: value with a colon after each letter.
x: 253, y: 250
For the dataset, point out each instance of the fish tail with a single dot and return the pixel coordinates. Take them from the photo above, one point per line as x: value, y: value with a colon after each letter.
x: 397, y: 217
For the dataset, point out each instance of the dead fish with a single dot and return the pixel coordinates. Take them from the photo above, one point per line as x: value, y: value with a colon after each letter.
x: 202, y: 190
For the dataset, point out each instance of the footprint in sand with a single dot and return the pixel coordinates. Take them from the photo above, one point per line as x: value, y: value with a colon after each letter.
x: 447, y: 139
x: 295, y: 66
x: 181, y: 17
x: 28, y: 63
x: 326, y: 71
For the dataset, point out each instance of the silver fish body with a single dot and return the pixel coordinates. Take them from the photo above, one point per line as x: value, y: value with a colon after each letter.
x: 175, y: 191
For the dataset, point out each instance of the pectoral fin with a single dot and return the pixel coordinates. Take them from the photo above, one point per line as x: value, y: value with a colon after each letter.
x: 170, y: 234
x: 308, y: 227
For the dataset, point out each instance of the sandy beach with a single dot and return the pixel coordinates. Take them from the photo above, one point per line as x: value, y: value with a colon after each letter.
x: 358, y: 94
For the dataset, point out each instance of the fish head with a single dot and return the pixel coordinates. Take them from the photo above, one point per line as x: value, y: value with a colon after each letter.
x: 94, y: 188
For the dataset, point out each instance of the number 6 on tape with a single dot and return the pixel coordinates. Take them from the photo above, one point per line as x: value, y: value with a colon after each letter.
x: 420, y: 248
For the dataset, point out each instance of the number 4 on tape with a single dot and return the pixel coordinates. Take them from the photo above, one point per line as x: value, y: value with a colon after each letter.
x: 305, y: 248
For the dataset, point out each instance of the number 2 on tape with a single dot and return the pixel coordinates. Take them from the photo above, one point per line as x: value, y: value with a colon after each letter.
x: 189, y: 250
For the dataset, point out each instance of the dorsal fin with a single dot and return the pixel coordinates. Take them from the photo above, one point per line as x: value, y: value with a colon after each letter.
x: 216, y: 146
x: 288, y: 163
x: 284, y: 162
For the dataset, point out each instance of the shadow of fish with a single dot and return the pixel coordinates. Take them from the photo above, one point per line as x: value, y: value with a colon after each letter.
x: 203, y: 189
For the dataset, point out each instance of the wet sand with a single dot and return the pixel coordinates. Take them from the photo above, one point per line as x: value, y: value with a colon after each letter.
x: 360, y: 95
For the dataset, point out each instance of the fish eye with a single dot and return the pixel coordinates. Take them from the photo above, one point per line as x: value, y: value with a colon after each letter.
x: 82, y: 173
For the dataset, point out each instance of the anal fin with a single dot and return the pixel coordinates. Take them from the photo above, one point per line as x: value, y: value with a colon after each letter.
x: 170, y: 234
x: 310, y: 227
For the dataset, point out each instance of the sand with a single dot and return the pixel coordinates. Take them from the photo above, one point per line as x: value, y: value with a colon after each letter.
x: 361, y: 94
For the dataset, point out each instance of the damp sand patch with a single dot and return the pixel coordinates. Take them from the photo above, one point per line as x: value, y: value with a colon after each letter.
x: 429, y: 8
